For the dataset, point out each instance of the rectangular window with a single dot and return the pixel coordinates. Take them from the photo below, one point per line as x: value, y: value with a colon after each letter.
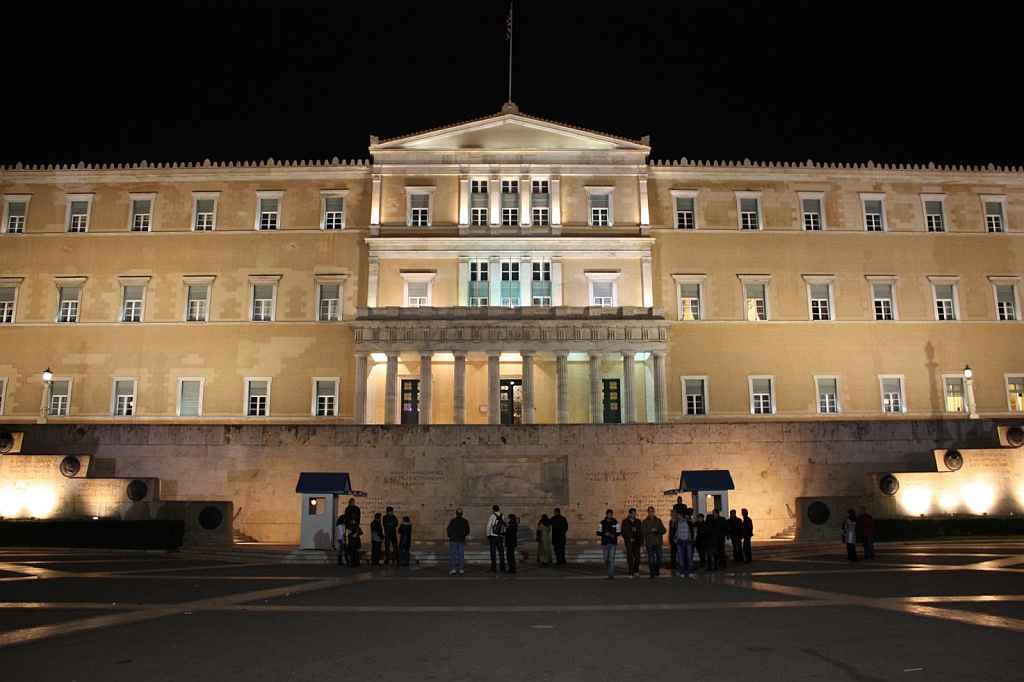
x: 270, y: 213
x: 934, y: 215
x: 874, y: 216
x: 478, y: 202
x: 695, y: 396
x: 811, y: 209
x: 882, y: 295
x: 689, y: 301
x: 1015, y: 393
x: 142, y: 215
x: 509, y: 203
x: 540, y: 289
x: 190, y: 397
x: 686, y: 213
x: 819, y: 300
x: 124, y: 397
x: 197, y: 304
x: 540, y: 203
x: 419, y: 209
x: 756, y: 302
x: 955, y: 394
x: 262, y: 302
x: 945, y: 302
x: 69, y: 300
x: 131, y: 303
x: 7, y: 296
x: 892, y: 395
x: 761, y: 399
x: 204, y: 214
x: 329, y: 300
x: 418, y: 294
x: 995, y: 221
x: 257, y: 397
x: 510, y: 290
x: 828, y: 395
x: 334, y: 212
x: 78, y: 216
x: 1006, y: 302
x: 60, y: 398
x: 325, y: 398
x: 15, y: 221
x: 479, y: 291
x: 600, y: 209
x: 750, y: 213
x: 603, y: 294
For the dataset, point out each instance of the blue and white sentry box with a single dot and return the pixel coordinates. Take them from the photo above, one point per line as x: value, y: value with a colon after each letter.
x: 319, y: 493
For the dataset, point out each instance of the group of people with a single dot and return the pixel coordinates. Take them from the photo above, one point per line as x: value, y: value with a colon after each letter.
x: 859, y: 526
x: 503, y: 540
x: 386, y: 533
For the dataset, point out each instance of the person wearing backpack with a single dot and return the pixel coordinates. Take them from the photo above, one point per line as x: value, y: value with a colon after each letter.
x: 608, y: 531
x: 390, y: 524
x: 496, y: 539
x: 511, y: 541
x: 633, y: 539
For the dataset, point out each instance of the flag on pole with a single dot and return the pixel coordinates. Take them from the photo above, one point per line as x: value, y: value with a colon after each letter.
x: 508, y: 24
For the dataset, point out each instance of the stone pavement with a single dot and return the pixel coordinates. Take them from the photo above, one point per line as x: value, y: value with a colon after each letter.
x: 921, y: 611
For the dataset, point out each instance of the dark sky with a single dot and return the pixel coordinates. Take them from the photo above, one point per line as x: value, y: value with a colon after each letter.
x: 769, y: 81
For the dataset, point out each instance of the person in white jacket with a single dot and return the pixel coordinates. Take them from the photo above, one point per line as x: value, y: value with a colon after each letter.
x: 496, y: 539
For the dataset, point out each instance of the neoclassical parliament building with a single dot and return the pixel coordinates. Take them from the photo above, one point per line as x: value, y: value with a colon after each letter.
x: 510, y: 270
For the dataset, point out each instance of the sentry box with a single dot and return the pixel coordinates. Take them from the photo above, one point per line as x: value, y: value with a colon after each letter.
x: 319, y: 493
x: 708, y: 488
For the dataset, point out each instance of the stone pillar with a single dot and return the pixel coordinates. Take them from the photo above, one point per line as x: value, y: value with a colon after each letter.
x: 493, y: 387
x: 426, y: 385
x: 645, y: 211
x: 555, y: 187
x: 525, y: 191
x: 391, y: 390
x: 494, y: 281
x: 494, y: 200
x: 525, y: 281
x: 596, y: 402
x: 627, y: 397
x: 375, y: 201
x: 463, y: 201
x: 529, y: 414
x: 556, y: 281
x: 372, y: 281
x: 459, y: 390
x: 647, y: 281
x: 562, y: 386
x: 463, y: 282
x: 659, y: 385
x: 359, y: 405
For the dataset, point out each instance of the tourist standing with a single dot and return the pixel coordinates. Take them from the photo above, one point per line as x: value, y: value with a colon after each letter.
x: 496, y: 539
x: 376, y: 539
x: 608, y: 531
x: 354, y: 543
x: 545, y: 554
x: 653, y: 529
x: 722, y: 526
x: 672, y: 521
x: 511, y: 541
x: 353, y: 513
x: 390, y: 524
x: 679, y: 507
x: 867, y: 531
x: 684, y: 552
x: 458, y: 531
x: 340, y: 529
x: 404, y: 541
x: 633, y: 539
x: 709, y: 541
x: 748, y: 533
x: 850, y: 535
x: 736, y: 536
x: 699, y: 537
x: 559, y: 531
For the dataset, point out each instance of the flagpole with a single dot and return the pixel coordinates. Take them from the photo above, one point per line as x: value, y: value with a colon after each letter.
x: 511, y: 4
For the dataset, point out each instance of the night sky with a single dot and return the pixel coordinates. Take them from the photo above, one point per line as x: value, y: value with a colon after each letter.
x: 774, y: 81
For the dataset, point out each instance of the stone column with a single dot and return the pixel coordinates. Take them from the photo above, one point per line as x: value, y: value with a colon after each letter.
x: 525, y: 281
x: 556, y: 281
x: 372, y: 281
x: 627, y: 397
x: 494, y: 200
x: 645, y: 211
x: 359, y: 406
x: 463, y: 282
x: 529, y: 414
x: 659, y: 385
x: 647, y: 281
x: 562, y: 386
x: 494, y: 281
x: 391, y: 389
x: 493, y: 387
x: 555, y: 187
x: 375, y: 201
x: 596, y: 402
x: 426, y: 385
x: 463, y: 201
x: 525, y: 192
x: 459, y: 390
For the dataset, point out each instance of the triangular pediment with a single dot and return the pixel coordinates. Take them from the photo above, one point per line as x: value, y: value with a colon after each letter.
x: 510, y: 132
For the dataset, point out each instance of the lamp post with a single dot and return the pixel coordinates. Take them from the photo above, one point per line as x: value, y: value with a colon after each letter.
x: 48, y: 387
x: 972, y: 411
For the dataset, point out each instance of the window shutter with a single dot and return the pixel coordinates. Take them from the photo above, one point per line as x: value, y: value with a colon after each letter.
x: 79, y: 207
x: 812, y: 206
x: 334, y: 204
x: 882, y: 290
x: 478, y: 199
x: 599, y: 200
x: 16, y: 209
x: 68, y: 294
x: 204, y: 205
x: 329, y: 291
x: 694, y: 387
x: 60, y: 387
x: 755, y: 291
x: 419, y: 200
x: 689, y: 291
x: 603, y: 289
x: 417, y: 289
x: 257, y: 388
x: 133, y: 293
x: 126, y: 387
x: 268, y: 205
x: 140, y: 206
x: 684, y: 204
x: 6, y: 294
x: 748, y: 205
x: 190, y: 398
x: 873, y: 206
x: 1004, y: 294
x: 762, y: 385
x: 827, y: 386
x: 944, y: 291
x: 197, y: 293
x: 891, y: 385
x: 263, y: 291
x: 324, y: 388
x: 933, y: 207
x: 991, y: 208
x: 819, y: 291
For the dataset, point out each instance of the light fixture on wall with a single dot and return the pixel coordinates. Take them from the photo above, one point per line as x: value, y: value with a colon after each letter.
x: 47, y: 387
x: 972, y: 411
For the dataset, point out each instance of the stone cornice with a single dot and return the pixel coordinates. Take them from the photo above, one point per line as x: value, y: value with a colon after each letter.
x: 213, y: 173
x: 693, y: 172
x: 567, y: 247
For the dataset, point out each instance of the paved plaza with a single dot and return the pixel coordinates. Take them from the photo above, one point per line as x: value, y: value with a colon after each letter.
x: 920, y: 611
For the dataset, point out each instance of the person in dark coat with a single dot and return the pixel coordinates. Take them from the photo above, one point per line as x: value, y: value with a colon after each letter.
x: 709, y: 542
x: 736, y: 536
x: 673, y: 520
x: 559, y: 531
x: 511, y: 541
x: 404, y: 541
x: 633, y: 538
x: 866, y: 529
x: 722, y: 532
x: 390, y: 524
x: 458, y: 531
x: 679, y: 507
x: 748, y: 532
x: 352, y: 512
x: 376, y: 539
x: 700, y: 538
x: 355, y: 543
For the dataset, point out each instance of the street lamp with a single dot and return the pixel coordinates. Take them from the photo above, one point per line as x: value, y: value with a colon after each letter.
x: 972, y: 411
x: 48, y: 382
